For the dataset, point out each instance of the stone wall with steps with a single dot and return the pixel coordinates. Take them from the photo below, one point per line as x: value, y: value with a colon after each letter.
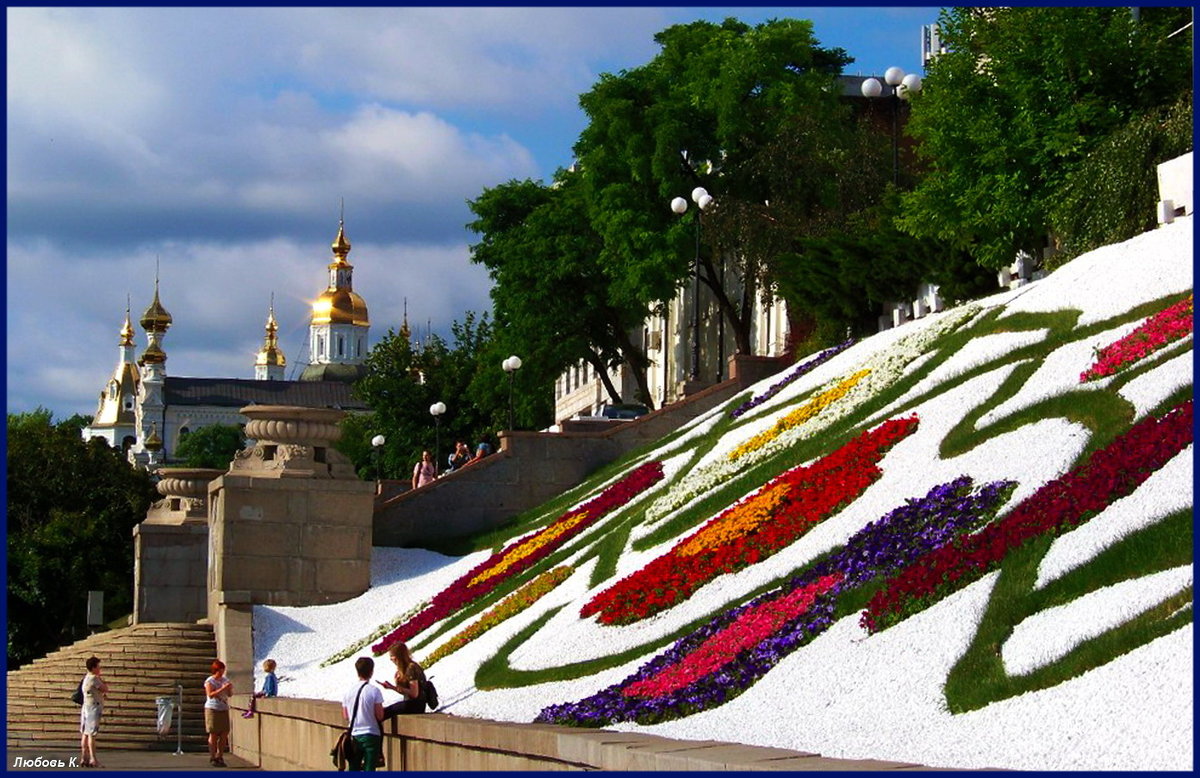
x: 140, y: 663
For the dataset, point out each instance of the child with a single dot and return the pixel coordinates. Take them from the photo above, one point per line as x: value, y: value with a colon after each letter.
x: 270, y: 687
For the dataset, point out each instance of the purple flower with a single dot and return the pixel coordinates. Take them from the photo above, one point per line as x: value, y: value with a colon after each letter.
x: 795, y: 373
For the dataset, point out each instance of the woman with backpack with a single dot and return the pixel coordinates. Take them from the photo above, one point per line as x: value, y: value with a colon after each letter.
x: 410, y: 683
x: 94, y: 690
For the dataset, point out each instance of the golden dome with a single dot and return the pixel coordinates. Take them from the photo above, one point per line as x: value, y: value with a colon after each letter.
x: 127, y: 330
x: 340, y: 306
x: 270, y: 354
x: 341, y: 244
x: 153, y: 441
x: 152, y: 355
x: 156, y: 318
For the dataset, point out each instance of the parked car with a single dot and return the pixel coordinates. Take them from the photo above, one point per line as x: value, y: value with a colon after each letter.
x: 624, y: 411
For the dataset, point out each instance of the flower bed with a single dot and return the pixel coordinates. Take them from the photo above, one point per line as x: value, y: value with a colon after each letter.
x: 884, y: 369
x: 1166, y: 326
x: 800, y: 415
x: 799, y: 370
x: 757, y: 527
x: 510, y: 606
x: 524, y: 553
x: 729, y: 654
x: 1107, y: 475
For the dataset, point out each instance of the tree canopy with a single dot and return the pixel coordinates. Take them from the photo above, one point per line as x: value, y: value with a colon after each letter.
x: 1018, y: 101
x: 72, y: 505
x: 210, y: 446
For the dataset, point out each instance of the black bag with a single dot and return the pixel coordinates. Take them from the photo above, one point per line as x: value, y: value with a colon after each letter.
x: 429, y: 691
x: 77, y: 696
x: 347, y: 749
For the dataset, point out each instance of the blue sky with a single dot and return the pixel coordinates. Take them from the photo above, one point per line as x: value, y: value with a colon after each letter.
x: 220, y: 142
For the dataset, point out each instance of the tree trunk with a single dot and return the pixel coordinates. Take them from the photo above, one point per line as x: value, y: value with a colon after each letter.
x: 738, y: 322
x: 602, y: 370
x: 638, y: 362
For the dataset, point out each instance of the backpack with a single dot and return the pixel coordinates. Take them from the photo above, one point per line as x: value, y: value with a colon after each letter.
x: 77, y: 695
x: 429, y: 691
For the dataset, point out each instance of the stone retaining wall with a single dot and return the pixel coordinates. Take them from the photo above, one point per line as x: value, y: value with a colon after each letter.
x: 296, y: 734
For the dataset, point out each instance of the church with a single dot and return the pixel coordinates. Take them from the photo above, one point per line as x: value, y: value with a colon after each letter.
x: 145, y: 412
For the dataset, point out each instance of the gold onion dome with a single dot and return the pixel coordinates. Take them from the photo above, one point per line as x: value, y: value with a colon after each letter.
x: 340, y: 306
x: 127, y: 330
x: 153, y: 441
x: 270, y: 353
x: 156, y: 318
x: 153, y: 355
x: 341, y: 244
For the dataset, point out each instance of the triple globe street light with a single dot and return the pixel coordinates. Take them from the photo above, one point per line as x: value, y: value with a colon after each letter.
x: 679, y: 205
x: 902, y: 86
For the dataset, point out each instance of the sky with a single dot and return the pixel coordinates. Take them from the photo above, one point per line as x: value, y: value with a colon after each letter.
x: 219, y: 144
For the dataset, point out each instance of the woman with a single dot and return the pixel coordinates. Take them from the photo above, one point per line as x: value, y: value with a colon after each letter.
x: 409, y: 676
x: 94, y: 691
x: 217, y: 691
x: 425, y: 471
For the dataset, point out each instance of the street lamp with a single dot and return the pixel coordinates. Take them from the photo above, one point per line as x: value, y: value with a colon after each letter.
x: 511, y: 366
x: 703, y: 201
x: 902, y: 86
x: 376, y: 447
x: 437, y: 409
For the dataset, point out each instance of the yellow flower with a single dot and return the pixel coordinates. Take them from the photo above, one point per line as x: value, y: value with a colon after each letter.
x: 798, y: 416
x: 530, y: 545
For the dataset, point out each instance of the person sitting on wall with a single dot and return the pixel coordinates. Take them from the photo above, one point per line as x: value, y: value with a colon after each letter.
x: 481, y: 451
x: 409, y: 678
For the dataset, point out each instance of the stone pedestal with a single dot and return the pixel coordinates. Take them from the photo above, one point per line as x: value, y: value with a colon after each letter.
x: 170, y: 568
x: 290, y: 523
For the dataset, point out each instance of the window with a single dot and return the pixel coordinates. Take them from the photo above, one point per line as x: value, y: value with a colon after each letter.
x: 320, y: 345
x: 341, y: 346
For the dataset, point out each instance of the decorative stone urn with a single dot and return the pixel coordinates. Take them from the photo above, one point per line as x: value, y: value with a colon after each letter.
x: 185, y: 495
x: 290, y: 441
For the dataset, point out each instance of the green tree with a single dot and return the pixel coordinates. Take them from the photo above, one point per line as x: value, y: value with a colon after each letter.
x: 552, y: 295
x: 72, y: 505
x: 710, y: 110
x: 1021, y: 97
x: 210, y: 446
x: 404, y: 380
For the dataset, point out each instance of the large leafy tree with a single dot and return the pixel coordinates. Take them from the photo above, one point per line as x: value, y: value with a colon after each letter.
x: 553, y: 297
x: 750, y: 113
x: 404, y: 379
x: 72, y: 505
x: 1021, y: 97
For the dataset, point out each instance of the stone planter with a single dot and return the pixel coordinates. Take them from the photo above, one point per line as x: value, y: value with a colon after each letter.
x: 292, y: 442
x: 186, y: 481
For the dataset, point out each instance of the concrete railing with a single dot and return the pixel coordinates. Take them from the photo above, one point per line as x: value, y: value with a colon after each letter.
x: 295, y: 734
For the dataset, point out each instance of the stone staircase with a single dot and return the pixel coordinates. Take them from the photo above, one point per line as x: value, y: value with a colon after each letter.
x: 140, y: 663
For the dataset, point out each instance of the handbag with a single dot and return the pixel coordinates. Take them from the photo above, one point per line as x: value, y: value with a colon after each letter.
x: 346, y: 749
x: 77, y: 695
x: 429, y: 691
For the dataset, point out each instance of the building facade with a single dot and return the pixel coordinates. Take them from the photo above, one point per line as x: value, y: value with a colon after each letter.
x: 145, y: 412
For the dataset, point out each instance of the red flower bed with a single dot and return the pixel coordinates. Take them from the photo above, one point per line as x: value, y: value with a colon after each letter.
x: 1166, y: 326
x: 751, y: 627
x: 810, y: 494
x: 1109, y: 474
x: 516, y: 558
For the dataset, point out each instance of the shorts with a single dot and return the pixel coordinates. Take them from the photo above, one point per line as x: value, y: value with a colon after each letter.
x: 216, y: 722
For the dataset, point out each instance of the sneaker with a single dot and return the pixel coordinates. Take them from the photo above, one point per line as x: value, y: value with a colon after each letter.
x: 219, y: 762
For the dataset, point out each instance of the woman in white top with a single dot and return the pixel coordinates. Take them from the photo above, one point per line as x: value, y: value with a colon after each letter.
x: 217, y: 691
x: 94, y: 690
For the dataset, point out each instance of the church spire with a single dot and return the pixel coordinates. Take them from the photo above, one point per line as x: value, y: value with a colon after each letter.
x: 405, y: 332
x: 127, y: 327
x: 155, y: 321
x: 270, y: 363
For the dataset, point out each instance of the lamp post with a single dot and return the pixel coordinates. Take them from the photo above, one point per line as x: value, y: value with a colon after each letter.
x: 902, y: 85
x: 436, y: 410
x: 703, y: 201
x: 376, y: 448
x: 511, y: 366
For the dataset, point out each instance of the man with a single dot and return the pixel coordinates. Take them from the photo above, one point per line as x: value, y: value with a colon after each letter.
x: 460, y: 457
x: 363, y: 706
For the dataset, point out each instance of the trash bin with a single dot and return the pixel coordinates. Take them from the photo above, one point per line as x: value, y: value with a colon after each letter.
x: 166, y: 711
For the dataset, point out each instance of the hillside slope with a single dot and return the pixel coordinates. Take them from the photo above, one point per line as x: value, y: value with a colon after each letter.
x: 938, y: 545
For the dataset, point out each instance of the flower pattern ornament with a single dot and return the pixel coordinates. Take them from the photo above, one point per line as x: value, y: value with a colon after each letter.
x: 1167, y: 326
x: 729, y: 654
x: 799, y: 370
x: 1058, y: 506
x: 523, y: 554
x: 753, y: 529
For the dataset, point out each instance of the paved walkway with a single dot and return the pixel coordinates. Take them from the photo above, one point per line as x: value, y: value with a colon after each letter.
x: 55, y: 760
